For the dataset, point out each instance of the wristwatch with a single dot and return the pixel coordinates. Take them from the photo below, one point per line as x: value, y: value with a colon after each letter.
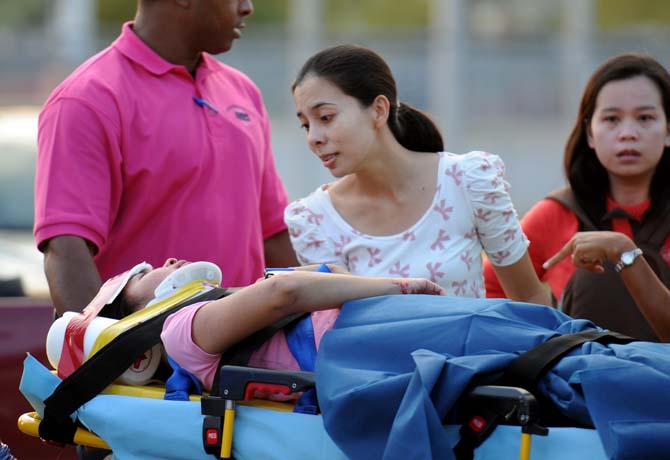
x: 627, y: 258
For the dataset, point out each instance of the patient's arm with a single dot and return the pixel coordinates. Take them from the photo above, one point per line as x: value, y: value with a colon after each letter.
x: 589, y: 250
x: 224, y: 322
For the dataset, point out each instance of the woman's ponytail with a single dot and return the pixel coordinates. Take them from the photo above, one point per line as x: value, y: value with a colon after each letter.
x: 414, y: 129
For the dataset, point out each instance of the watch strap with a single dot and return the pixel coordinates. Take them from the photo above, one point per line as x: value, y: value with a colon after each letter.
x: 633, y: 254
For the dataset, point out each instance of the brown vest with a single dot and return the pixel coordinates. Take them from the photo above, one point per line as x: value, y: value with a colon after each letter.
x: 603, y: 297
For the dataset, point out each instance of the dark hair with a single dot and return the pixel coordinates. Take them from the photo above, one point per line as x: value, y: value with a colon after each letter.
x: 119, y: 308
x: 363, y: 74
x: 587, y: 176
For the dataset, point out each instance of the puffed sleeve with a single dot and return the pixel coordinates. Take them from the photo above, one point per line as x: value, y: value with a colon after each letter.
x: 306, y: 227
x: 494, y: 215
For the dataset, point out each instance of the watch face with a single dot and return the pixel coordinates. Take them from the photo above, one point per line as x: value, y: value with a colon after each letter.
x: 627, y: 258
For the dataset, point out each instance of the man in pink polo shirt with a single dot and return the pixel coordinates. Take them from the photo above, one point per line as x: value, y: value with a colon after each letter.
x: 153, y: 148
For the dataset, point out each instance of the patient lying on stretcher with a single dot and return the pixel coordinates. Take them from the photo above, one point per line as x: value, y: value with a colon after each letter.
x: 197, y: 335
x: 400, y: 363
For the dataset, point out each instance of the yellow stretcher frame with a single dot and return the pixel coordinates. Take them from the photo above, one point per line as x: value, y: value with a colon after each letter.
x: 29, y: 423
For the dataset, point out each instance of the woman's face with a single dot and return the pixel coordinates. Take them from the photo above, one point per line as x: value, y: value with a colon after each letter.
x: 140, y: 288
x: 629, y: 129
x: 339, y: 131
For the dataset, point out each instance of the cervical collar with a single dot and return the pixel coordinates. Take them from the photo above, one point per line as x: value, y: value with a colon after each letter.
x: 204, y: 271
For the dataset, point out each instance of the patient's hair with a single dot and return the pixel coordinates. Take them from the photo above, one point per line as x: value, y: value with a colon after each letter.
x: 119, y: 308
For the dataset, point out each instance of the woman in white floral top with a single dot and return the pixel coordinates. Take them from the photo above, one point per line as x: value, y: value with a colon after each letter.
x: 401, y: 206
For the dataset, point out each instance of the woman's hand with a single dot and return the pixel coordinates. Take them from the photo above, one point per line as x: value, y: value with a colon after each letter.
x: 589, y: 250
x: 418, y: 286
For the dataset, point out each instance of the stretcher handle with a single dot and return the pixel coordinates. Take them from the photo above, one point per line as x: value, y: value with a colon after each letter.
x: 235, y: 381
x: 510, y: 401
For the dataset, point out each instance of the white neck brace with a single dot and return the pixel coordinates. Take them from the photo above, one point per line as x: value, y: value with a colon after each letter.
x: 205, y: 271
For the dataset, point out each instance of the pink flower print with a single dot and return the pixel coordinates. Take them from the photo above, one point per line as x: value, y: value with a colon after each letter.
x: 314, y: 242
x: 510, y: 233
x: 466, y: 258
x: 491, y: 197
x: 443, y: 209
x: 483, y: 215
x: 434, y: 274
x: 374, y: 260
x: 486, y: 164
x: 295, y: 232
x: 508, y: 214
x: 351, y: 263
x: 471, y: 235
x: 397, y: 270
x: 506, y: 187
x: 441, y: 238
x: 313, y: 218
x: 499, y: 257
x: 495, y: 183
x: 344, y: 240
x: 297, y: 210
x: 474, y: 289
x: 459, y: 287
x: 409, y: 236
x: 454, y: 173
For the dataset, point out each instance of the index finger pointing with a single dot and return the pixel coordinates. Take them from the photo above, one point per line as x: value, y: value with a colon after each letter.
x: 560, y: 255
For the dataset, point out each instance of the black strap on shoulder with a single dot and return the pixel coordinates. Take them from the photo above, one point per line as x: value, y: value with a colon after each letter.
x: 96, y: 373
x: 239, y: 354
x: 526, y: 370
x: 567, y: 198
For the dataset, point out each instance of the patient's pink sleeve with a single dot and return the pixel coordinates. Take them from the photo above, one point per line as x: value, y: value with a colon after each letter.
x: 178, y: 342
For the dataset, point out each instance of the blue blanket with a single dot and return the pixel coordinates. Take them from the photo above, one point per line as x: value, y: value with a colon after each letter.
x: 394, y: 367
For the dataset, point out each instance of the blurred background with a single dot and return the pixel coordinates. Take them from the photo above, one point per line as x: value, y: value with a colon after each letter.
x: 503, y: 76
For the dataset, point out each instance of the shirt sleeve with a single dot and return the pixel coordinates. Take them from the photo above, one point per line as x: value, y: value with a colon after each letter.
x: 305, y: 226
x: 494, y: 215
x: 177, y: 338
x: 78, y: 180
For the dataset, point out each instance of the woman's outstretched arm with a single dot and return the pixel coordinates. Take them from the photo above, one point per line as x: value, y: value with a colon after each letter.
x: 589, y: 250
x: 224, y: 322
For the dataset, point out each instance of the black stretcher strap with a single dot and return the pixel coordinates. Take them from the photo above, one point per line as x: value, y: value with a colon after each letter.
x: 239, y: 354
x: 105, y: 366
x: 526, y: 370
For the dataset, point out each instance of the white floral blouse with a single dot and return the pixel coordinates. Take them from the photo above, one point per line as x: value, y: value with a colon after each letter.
x: 471, y: 211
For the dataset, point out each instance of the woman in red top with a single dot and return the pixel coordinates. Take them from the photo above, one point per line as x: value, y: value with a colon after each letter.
x: 617, y: 162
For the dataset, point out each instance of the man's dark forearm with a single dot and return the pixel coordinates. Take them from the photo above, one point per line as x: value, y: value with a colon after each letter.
x: 71, y: 273
x: 279, y: 251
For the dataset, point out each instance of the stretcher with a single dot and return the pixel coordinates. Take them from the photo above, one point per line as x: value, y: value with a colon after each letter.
x: 135, y: 422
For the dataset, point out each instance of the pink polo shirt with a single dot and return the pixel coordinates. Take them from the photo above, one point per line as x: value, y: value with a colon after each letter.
x: 128, y: 160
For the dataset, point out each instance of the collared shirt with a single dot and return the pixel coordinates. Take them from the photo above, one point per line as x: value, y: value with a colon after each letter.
x: 147, y: 162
